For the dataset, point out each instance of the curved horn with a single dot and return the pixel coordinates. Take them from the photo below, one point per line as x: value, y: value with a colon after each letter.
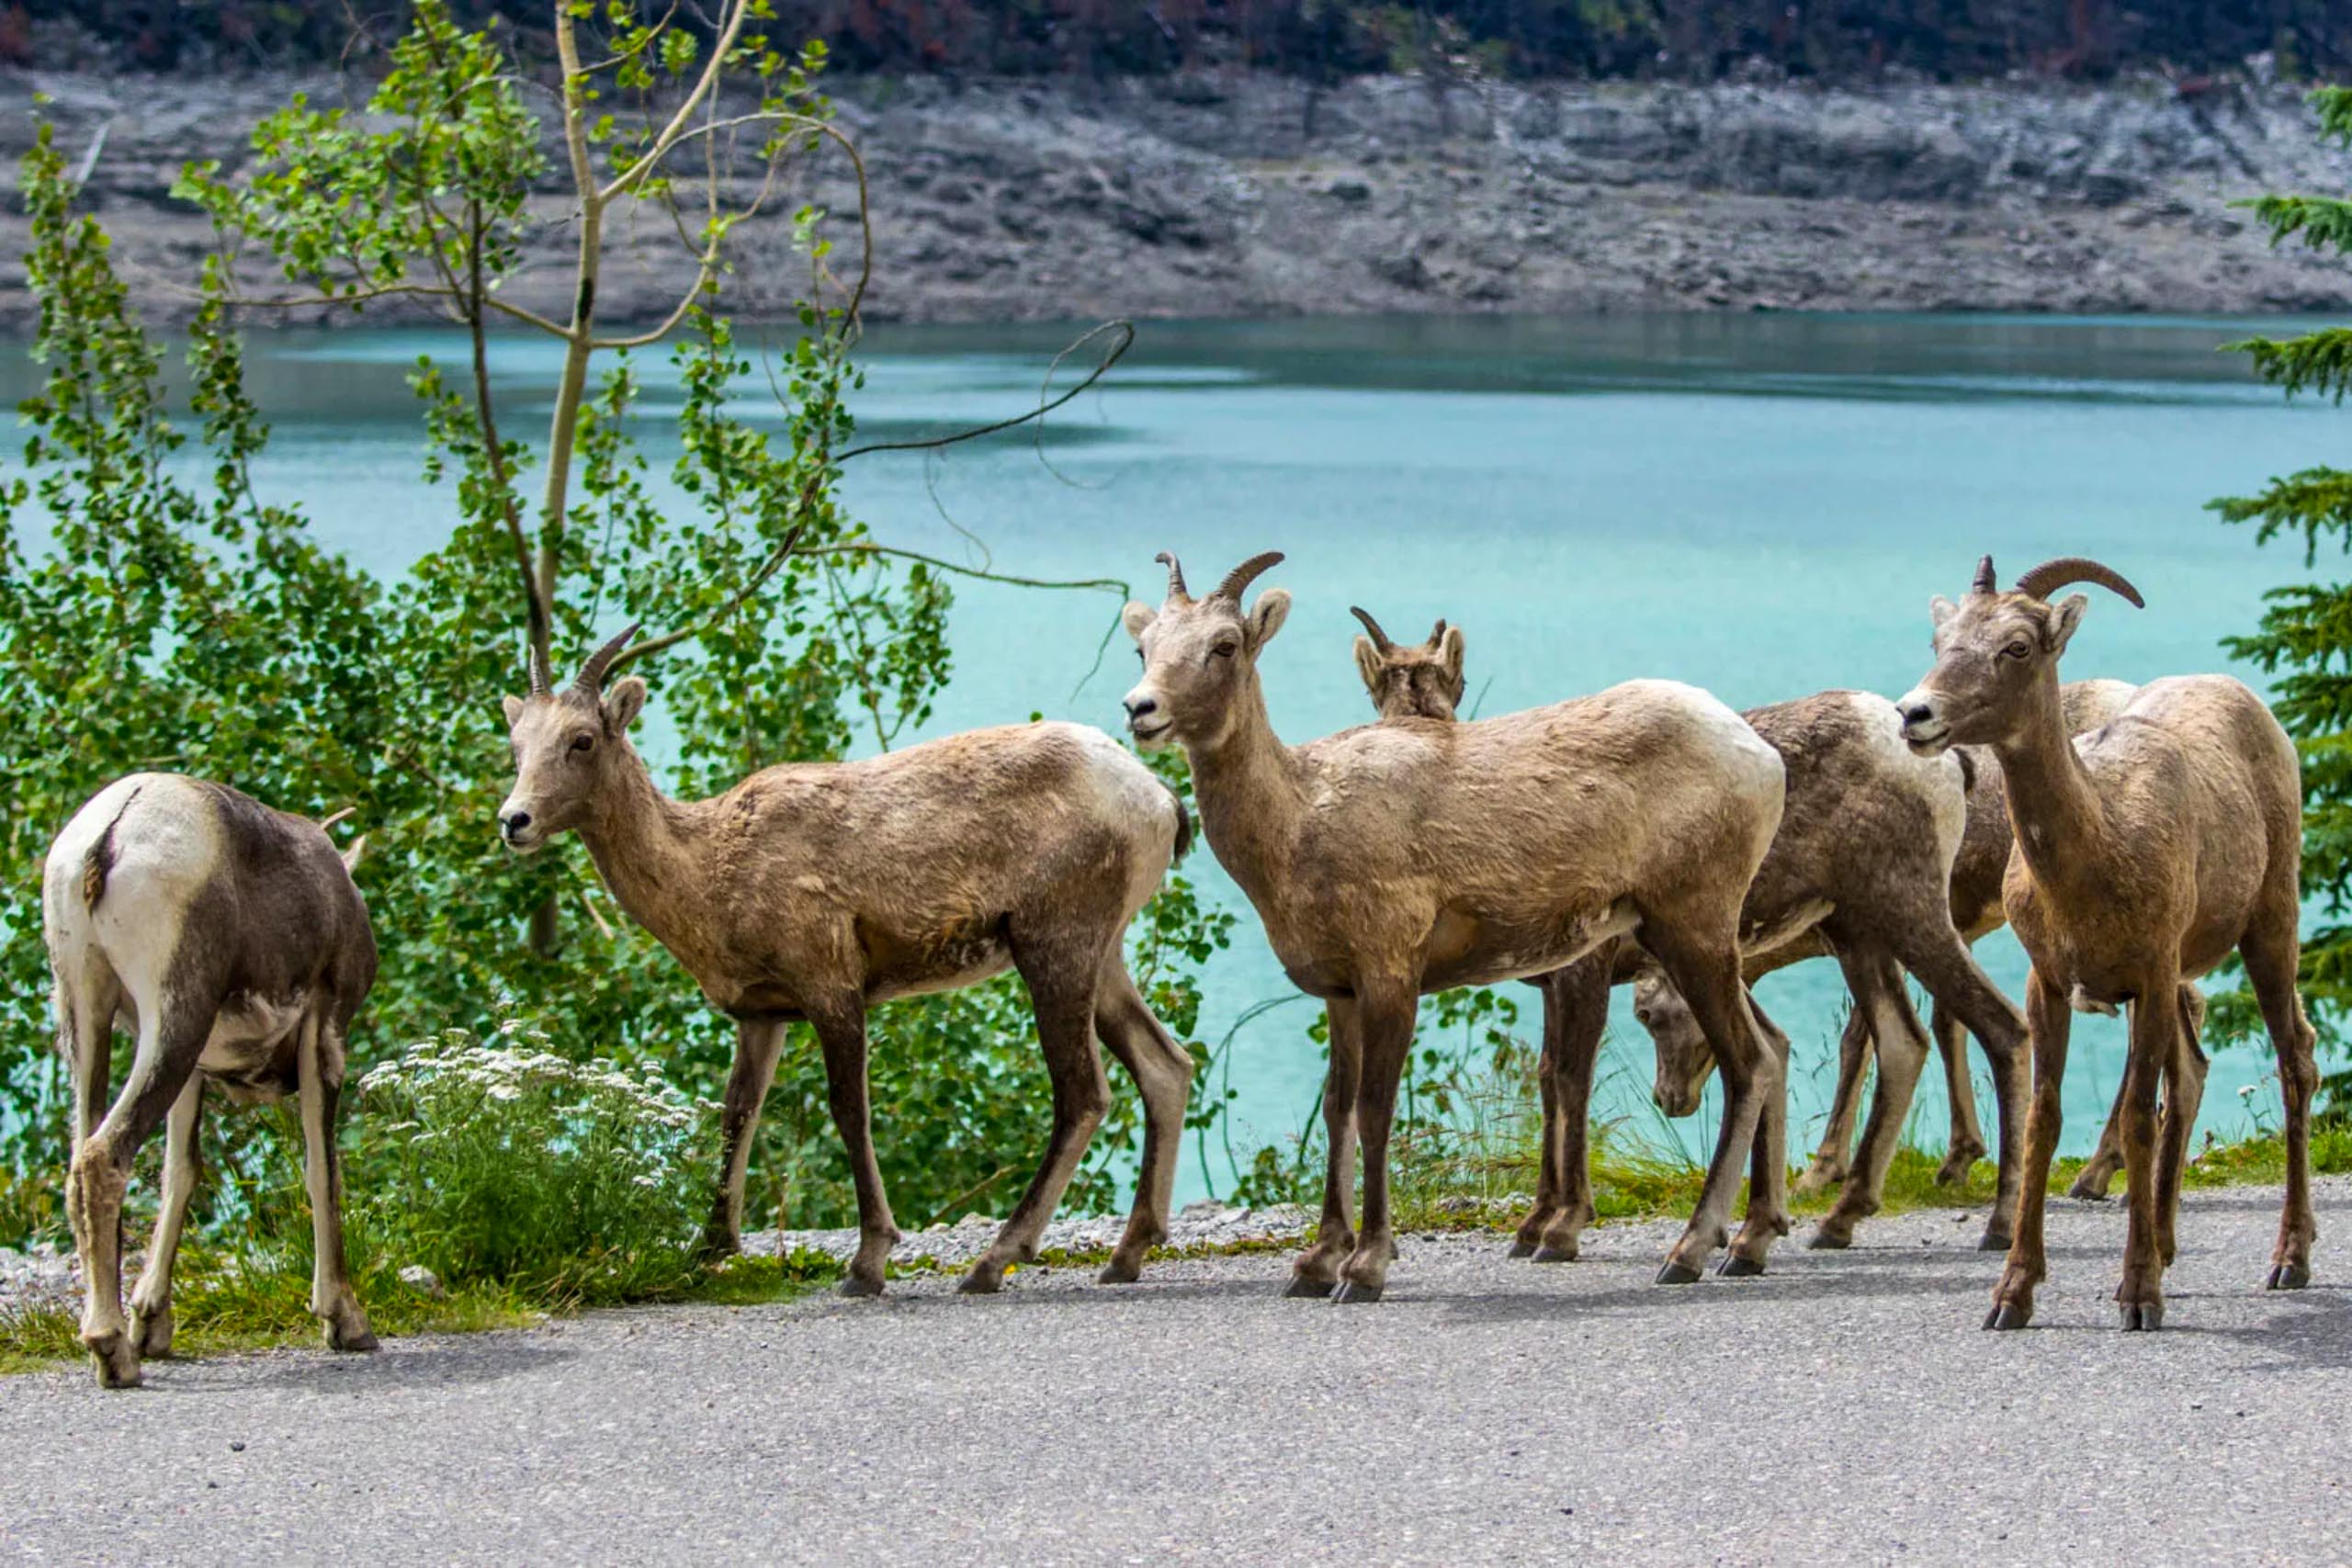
x: 2051, y: 575
x: 1379, y: 639
x: 590, y: 678
x: 1985, y: 582
x: 1176, y: 589
x: 1243, y: 576
x: 542, y: 674
x: 1437, y: 634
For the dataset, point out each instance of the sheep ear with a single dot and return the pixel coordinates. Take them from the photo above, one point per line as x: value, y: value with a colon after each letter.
x: 351, y: 856
x: 1368, y: 665
x: 513, y: 706
x: 1266, y: 617
x: 1137, y: 618
x: 1449, y: 654
x: 624, y: 702
x: 1940, y: 609
x: 2064, y: 616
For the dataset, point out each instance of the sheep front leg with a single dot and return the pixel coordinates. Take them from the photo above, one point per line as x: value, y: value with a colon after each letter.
x: 841, y: 1035
x: 1163, y: 1075
x: 2048, y: 1025
x: 757, y: 1042
x: 151, y: 1303
x: 1061, y: 993
x: 1705, y: 968
x: 1314, y: 1272
x: 1385, y: 1010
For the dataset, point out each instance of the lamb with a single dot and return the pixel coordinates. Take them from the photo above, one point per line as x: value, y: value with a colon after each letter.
x: 812, y: 891
x: 1396, y: 859
x: 1858, y: 869
x: 2146, y: 850
x: 231, y: 941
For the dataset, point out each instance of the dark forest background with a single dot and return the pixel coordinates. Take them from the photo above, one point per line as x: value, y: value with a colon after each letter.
x: 1323, y: 40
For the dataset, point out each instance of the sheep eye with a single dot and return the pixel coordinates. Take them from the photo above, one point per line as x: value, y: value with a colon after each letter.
x: 581, y: 743
x: 2016, y: 650
x: 1222, y: 650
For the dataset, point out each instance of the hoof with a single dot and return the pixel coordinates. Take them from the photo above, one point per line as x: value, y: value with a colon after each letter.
x: 115, y: 1360
x: 1548, y: 1254
x: 1735, y: 1266
x: 1354, y: 1290
x: 2009, y: 1315
x: 2289, y: 1277
x: 152, y: 1334
x: 1522, y: 1248
x: 1953, y: 1172
x: 1675, y: 1273
x: 982, y: 1281
x: 1119, y: 1272
x: 1824, y: 1239
x: 1306, y: 1287
x: 353, y: 1342
x: 1995, y: 1241
x: 2141, y: 1318
x: 857, y: 1285
x: 2088, y: 1187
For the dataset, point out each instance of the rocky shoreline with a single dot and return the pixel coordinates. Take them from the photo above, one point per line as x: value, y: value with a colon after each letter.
x: 1249, y: 195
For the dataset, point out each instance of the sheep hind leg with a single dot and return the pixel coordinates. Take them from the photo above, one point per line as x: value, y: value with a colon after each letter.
x: 2099, y: 1172
x: 1575, y: 1015
x: 2270, y: 955
x: 1832, y: 1160
x: 1549, y: 1199
x: 2184, y: 1093
x: 1163, y: 1076
x: 170, y: 1040
x: 1877, y: 985
x: 150, y: 1301
x: 2155, y: 1039
x: 1767, y: 1219
x: 1966, y: 1145
x: 332, y: 1301
x: 1062, y: 987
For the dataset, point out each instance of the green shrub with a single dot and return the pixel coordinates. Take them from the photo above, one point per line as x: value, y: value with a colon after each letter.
x: 504, y: 1162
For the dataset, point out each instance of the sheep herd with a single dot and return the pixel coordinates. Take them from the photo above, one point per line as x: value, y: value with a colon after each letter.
x: 2133, y: 838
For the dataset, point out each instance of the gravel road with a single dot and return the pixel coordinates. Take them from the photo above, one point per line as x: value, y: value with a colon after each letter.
x: 1844, y: 1407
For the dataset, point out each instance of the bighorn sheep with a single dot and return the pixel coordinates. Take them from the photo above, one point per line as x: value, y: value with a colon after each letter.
x: 1859, y: 869
x: 815, y: 890
x: 231, y: 941
x: 2147, y: 850
x: 1395, y: 858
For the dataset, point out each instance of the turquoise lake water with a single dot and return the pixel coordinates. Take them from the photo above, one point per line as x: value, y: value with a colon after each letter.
x: 1761, y: 505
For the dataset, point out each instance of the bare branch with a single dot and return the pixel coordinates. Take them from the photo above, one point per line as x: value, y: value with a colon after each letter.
x: 1127, y: 337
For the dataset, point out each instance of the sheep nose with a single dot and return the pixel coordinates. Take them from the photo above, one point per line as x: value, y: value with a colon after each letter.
x: 513, y: 822
x: 1918, y: 713
x: 1138, y: 706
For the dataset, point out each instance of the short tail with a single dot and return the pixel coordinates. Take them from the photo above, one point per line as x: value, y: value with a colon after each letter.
x: 1183, y: 824
x: 100, y: 859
